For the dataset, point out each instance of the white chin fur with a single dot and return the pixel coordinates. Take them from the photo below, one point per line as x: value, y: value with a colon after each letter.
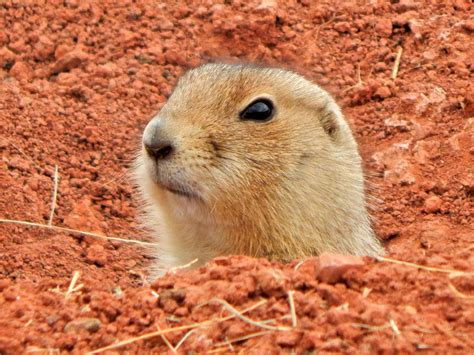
x: 167, y: 216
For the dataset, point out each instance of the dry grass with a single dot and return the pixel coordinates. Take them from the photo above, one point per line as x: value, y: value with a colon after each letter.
x: 371, y: 328
x: 242, y: 338
x: 74, y: 231
x: 181, y: 267
x: 459, y: 293
x: 273, y: 320
x: 291, y: 301
x: 366, y: 291
x: 53, y: 207
x: 218, y: 350
x: 147, y: 336
x: 72, y: 286
x: 183, y: 339
x: 239, y: 315
x: 427, y: 268
x: 451, y: 273
x: 175, y: 329
x: 25, y: 155
x: 396, y: 65
x: 321, y: 26
x: 229, y: 344
x: 55, y: 195
x: 49, y: 351
x: 394, y: 327
x: 359, y: 82
x: 299, y: 264
x: 167, y: 342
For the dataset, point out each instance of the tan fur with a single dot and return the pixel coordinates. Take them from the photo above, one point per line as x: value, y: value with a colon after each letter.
x: 283, y: 189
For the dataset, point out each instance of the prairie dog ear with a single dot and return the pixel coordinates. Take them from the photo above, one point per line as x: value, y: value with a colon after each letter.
x: 323, y: 105
x: 328, y: 112
x: 329, y: 122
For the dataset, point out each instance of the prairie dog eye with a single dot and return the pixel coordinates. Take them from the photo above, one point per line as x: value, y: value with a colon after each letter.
x: 260, y: 110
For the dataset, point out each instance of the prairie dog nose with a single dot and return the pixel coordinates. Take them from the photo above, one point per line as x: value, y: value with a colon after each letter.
x: 157, y: 143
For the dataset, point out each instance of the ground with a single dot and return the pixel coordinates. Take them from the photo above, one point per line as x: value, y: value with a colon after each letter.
x: 78, y: 82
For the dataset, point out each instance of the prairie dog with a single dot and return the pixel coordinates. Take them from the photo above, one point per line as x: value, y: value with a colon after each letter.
x: 255, y: 161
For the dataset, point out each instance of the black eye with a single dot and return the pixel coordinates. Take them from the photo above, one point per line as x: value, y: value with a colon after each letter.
x: 260, y: 110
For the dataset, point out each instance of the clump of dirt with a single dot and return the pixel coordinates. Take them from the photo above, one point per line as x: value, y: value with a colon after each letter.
x: 78, y: 82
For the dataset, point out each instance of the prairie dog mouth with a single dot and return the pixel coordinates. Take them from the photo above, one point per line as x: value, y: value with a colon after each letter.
x: 178, y: 189
x: 168, y: 181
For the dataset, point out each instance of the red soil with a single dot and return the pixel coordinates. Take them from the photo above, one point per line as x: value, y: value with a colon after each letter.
x: 79, y: 82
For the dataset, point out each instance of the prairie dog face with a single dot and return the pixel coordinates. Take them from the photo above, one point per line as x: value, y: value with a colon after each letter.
x: 237, y: 130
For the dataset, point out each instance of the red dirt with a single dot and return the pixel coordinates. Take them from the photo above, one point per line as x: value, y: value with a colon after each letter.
x: 79, y: 82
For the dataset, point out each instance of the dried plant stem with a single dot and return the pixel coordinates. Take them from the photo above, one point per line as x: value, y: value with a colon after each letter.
x: 394, y: 327
x: 167, y: 342
x: 245, y: 337
x: 246, y: 319
x: 55, y: 195
x: 186, y: 336
x: 298, y: 265
x: 451, y: 273
x: 459, y: 293
x: 69, y: 230
x: 174, y: 329
x: 72, y: 285
x: 25, y: 155
x: 372, y: 328
x: 34, y: 349
x: 396, y: 65
x: 427, y: 268
x: 291, y: 301
x: 180, y: 267
x: 218, y: 350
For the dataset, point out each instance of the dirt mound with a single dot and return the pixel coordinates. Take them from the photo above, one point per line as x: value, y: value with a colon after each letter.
x: 78, y: 82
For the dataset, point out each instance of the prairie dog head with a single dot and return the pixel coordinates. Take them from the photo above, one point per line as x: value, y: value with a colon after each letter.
x: 236, y: 129
x: 251, y: 160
